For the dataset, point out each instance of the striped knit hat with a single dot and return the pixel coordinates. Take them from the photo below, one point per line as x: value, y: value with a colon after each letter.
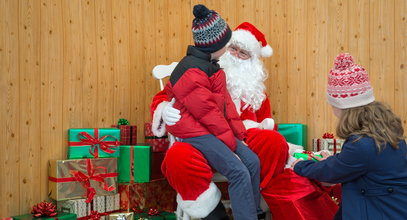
x: 210, y: 31
x: 348, y: 84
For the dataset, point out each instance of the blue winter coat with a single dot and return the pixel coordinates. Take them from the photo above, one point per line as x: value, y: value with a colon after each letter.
x: 374, y: 185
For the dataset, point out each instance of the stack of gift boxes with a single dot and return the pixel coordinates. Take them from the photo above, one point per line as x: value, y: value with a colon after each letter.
x: 109, y: 176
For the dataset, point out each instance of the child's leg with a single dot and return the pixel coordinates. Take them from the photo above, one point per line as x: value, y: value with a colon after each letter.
x: 225, y: 162
x: 252, y: 162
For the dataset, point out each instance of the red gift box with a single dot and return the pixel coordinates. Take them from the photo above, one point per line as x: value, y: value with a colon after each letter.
x: 158, y: 144
x: 156, y: 194
x: 156, y: 161
x: 128, y: 134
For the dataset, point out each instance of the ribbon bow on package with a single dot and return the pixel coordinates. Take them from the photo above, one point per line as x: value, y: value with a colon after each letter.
x: 75, y: 179
x: 328, y: 135
x: 44, y: 209
x: 86, y: 143
x: 327, y: 142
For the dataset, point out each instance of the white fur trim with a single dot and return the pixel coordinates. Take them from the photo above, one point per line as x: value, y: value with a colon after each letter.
x: 246, y: 40
x: 158, y: 125
x: 251, y: 124
x: 266, y: 51
x: 353, y: 101
x: 293, y: 148
x: 203, y: 205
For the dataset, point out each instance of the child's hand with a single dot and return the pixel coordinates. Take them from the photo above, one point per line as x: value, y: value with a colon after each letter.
x: 325, y: 154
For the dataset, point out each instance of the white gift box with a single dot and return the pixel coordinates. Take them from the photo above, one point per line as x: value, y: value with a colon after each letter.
x: 332, y: 145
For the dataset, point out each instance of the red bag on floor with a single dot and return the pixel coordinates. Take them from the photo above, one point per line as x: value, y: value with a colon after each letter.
x: 290, y: 196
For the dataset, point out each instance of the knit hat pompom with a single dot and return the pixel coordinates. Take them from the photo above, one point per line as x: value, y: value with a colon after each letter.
x: 343, y: 61
x: 201, y: 11
x: 211, y: 33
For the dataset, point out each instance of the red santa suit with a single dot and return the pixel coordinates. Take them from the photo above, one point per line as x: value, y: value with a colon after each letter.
x: 190, y: 175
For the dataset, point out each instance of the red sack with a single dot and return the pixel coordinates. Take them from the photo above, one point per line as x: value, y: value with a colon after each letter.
x: 290, y: 196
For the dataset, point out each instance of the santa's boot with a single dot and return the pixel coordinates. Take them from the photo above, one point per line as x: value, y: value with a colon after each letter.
x: 219, y: 213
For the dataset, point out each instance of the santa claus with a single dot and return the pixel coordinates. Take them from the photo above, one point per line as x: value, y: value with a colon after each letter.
x: 185, y: 167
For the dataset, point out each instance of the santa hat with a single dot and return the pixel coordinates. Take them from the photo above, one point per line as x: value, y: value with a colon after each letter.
x: 348, y: 84
x: 251, y: 39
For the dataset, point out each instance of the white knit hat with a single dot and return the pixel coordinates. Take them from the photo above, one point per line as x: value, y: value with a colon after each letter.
x: 348, y: 84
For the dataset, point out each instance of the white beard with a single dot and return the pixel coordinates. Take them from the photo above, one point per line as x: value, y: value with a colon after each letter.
x: 245, y: 80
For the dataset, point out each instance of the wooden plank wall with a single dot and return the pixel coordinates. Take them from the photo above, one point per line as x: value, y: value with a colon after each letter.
x: 87, y: 63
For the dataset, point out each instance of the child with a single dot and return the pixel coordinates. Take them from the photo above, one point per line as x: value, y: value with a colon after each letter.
x: 372, y: 165
x: 209, y: 121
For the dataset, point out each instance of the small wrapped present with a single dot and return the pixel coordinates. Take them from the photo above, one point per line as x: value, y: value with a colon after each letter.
x: 121, y: 216
x: 101, y: 206
x: 156, y: 161
x: 327, y: 142
x: 306, y: 155
x: 158, y: 144
x: 85, y: 178
x: 93, y: 142
x: 128, y: 133
x: 59, y: 216
x: 134, y: 164
x: 294, y: 133
x: 153, y: 213
x: 77, y: 206
x: 157, y: 193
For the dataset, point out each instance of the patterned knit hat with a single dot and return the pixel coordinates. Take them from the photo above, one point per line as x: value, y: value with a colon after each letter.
x: 210, y: 31
x: 348, y: 84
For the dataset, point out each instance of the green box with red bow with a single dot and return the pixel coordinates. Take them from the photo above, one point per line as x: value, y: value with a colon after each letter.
x: 93, y: 143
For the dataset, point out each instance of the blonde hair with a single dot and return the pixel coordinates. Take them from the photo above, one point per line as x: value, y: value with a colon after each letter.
x: 375, y: 120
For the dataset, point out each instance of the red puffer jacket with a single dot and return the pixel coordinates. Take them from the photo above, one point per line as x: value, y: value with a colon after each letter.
x: 199, y: 87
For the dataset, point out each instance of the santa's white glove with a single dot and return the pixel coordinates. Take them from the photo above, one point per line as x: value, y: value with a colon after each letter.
x: 290, y: 161
x: 251, y: 124
x: 171, y: 115
x: 267, y: 123
x: 293, y: 148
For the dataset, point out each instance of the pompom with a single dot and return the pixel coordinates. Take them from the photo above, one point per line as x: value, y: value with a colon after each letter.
x: 266, y: 51
x: 343, y: 61
x: 201, y: 11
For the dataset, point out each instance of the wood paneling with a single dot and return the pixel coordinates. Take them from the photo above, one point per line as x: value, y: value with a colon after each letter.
x: 87, y: 63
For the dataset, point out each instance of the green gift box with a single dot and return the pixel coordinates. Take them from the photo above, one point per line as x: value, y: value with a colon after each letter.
x: 305, y: 156
x: 134, y: 164
x: 294, y: 133
x: 93, y: 142
x: 60, y: 216
x: 160, y: 215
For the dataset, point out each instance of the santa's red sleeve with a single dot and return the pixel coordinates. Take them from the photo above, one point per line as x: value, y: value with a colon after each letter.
x: 188, y: 172
x: 160, y: 100
x: 258, y: 115
x: 264, y: 111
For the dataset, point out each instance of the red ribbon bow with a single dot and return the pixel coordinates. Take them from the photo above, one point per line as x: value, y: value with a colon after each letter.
x: 152, y: 211
x: 45, y: 209
x: 106, y: 146
x: 85, y: 180
x: 328, y: 136
x: 309, y: 154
